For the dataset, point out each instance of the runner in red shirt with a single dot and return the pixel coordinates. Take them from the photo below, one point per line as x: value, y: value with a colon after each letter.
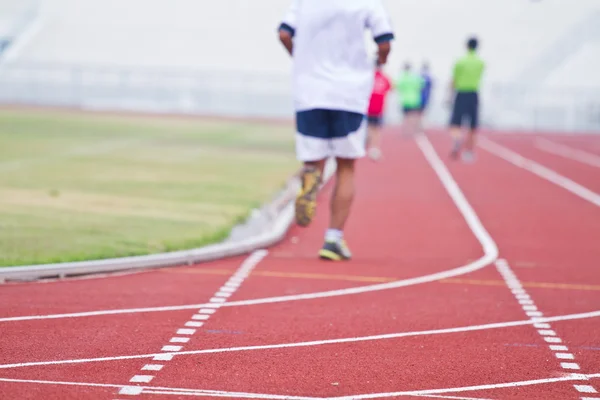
x: 381, y: 87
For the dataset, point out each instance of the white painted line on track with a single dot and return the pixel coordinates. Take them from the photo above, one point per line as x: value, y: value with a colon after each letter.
x: 472, y: 328
x: 135, y: 390
x: 549, y: 335
x: 540, y: 170
x: 489, y: 247
x: 553, y: 339
x: 244, y: 270
x: 569, y: 377
x: 568, y: 152
x: 439, y: 396
x: 198, y: 392
x: 171, y: 348
x: 152, y: 367
x: 179, y: 339
x: 163, y: 357
x: 585, y: 389
x: 141, y: 378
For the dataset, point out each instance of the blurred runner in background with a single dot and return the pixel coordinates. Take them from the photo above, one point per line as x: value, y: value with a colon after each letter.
x: 466, y: 78
x: 381, y: 88
x: 409, y: 86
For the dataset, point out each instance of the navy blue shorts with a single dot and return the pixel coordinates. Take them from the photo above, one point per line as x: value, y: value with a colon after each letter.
x: 466, y: 105
x: 375, y: 120
x: 322, y: 133
x: 408, y: 110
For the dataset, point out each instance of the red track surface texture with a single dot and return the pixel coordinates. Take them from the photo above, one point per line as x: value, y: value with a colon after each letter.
x: 470, y: 281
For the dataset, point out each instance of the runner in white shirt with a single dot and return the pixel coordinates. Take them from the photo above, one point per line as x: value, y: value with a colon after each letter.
x: 332, y: 84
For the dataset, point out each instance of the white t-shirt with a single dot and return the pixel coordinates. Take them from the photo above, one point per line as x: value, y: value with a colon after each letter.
x: 331, y: 67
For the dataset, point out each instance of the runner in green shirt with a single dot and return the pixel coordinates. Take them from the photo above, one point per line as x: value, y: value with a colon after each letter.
x: 466, y: 79
x: 409, y: 85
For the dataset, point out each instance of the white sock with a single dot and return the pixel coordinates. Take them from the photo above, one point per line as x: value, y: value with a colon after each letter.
x: 333, y: 235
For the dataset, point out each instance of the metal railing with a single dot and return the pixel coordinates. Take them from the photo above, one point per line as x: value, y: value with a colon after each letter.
x: 263, y: 94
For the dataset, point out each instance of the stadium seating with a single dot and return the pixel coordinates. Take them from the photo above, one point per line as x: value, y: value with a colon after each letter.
x: 223, y: 56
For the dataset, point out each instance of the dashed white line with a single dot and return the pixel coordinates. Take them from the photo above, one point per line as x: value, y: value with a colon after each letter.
x: 179, y: 339
x: 203, y: 314
x: 152, y: 367
x: 185, y: 331
x: 171, y: 348
x: 585, y: 389
x: 548, y: 334
x: 141, y: 379
x: 552, y: 339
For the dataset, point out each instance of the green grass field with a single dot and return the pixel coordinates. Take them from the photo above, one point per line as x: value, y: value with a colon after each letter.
x: 79, y: 186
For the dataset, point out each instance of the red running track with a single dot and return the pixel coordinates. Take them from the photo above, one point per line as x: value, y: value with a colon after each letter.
x: 470, y: 281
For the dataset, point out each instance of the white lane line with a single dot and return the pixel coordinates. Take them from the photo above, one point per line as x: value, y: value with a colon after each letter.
x: 512, y: 281
x: 472, y: 328
x: 205, y: 394
x: 568, y: 152
x: 194, y: 324
x: 540, y: 170
x: 439, y: 396
x: 244, y: 270
x: 568, y: 377
x: 136, y: 390
x: 489, y: 247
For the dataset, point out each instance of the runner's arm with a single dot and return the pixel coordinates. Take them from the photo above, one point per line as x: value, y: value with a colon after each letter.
x: 287, y: 28
x: 380, y: 25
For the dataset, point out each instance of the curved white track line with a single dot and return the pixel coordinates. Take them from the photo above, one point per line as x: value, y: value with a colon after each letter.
x: 497, y: 325
x: 489, y: 247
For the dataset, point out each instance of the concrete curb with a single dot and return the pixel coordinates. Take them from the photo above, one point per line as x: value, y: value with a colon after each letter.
x: 280, y: 214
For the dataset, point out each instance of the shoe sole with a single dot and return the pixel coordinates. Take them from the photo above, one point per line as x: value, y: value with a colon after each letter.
x: 330, y: 255
x: 306, y: 201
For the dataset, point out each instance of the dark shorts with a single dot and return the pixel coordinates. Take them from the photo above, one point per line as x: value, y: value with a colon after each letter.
x: 409, y: 110
x: 328, y: 124
x: 375, y: 120
x: 466, y: 105
x: 330, y: 133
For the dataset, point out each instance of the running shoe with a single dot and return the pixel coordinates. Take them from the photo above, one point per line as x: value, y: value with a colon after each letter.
x: 335, y: 251
x: 306, y: 201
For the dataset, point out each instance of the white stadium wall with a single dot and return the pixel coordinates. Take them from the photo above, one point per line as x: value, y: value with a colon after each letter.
x: 223, y: 56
